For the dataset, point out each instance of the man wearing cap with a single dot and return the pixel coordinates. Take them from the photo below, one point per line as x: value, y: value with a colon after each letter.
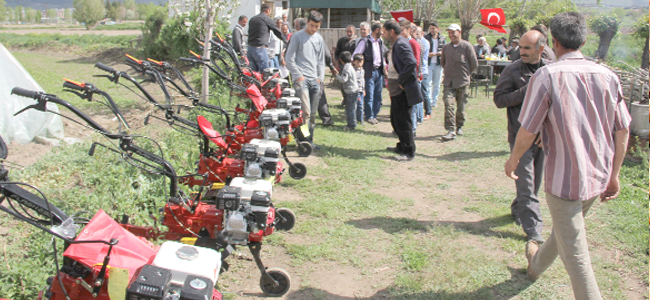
x: 513, y: 52
x: 458, y: 60
x: 436, y: 42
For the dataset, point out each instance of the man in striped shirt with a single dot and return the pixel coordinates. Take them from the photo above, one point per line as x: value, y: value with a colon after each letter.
x: 578, y: 107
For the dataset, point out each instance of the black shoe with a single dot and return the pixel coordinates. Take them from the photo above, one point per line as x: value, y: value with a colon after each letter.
x: 537, y: 238
x: 392, y: 149
x: 403, y: 158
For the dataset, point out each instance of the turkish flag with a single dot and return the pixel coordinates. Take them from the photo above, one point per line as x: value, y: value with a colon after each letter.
x: 494, y: 19
x: 402, y: 14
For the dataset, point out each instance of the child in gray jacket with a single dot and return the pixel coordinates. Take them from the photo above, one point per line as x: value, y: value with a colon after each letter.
x: 348, y: 78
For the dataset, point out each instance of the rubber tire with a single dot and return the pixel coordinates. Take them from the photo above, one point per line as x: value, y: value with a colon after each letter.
x: 304, y: 149
x: 283, y: 279
x: 298, y: 171
x: 289, y: 216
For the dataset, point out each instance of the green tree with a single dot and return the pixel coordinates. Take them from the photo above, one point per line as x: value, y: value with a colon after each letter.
x: 606, y: 27
x: 88, y: 11
x: 3, y: 11
x: 131, y: 9
x: 52, y: 15
x: 67, y: 15
x: 641, y: 32
x: 18, y: 12
x: 422, y: 10
x: 30, y: 15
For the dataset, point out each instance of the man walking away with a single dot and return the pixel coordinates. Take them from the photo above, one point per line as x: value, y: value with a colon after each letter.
x: 459, y: 61
x: 238, y: 36
x: 548, y: 52
x: 373, y: 66
x: 578, y: 107
x: 509, y: 93
x: 305, y: 59
x: 258, y: 38
x: 436, y: 42
x: 404, y: 90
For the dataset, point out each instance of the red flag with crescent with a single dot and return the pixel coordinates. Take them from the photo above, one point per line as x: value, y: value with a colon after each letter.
x: 494, y: 19
x: 402, y: 14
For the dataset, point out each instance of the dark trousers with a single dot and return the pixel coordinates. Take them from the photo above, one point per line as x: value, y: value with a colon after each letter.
x: 323, y: 108
x: 400, y: 119
x: 525, y: 207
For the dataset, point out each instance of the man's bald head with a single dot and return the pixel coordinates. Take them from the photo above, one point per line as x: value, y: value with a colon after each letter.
x: 531, y: 46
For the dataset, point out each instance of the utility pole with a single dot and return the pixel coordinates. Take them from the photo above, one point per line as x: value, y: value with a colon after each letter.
x: 205, y: 82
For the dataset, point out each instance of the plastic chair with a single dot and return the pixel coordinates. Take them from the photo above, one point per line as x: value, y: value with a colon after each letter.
x: 483, y: 76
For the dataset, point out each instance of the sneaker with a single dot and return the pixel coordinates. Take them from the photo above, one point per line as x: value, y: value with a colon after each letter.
x: 403, y: 158
x: 373, y: 121
x: 347, y: 128
x: 531, y: 249
x: 450, y: 136
x: 427, y: 117
x: 459, y: 131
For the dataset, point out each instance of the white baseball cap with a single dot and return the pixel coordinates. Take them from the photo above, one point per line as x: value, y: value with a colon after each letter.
x: 453, y: 27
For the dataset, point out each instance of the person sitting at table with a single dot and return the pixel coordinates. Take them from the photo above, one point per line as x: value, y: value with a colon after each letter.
x: 499, y: 49
x: 482, y: 48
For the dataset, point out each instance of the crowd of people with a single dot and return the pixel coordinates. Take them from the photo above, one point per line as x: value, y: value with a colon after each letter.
x: 566, y: 117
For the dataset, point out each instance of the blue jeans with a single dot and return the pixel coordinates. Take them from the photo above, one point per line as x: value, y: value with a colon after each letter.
x: 416, y: 115
x: 360, y: 107
x: 308, y: 91
x: 274, y: 62
x: 435, y: 75
x: 351, y: 101
x: 426, y: 90
x: 258, y: 58
x: 372, y: 100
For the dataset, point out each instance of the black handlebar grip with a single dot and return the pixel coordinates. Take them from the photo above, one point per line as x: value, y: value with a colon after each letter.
x: 25, y: 92
x: 187, y: 59
x: 104, y: 67
x: 72, y: 86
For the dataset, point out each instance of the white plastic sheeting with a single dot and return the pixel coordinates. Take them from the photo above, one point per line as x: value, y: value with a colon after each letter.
x: 31, y: 124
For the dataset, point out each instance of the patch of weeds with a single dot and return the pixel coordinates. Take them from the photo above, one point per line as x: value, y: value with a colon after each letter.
x: 443, y: 186
x: 472, y: 208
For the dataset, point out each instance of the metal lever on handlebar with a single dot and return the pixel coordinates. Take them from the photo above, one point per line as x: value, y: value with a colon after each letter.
x: 38, y: 96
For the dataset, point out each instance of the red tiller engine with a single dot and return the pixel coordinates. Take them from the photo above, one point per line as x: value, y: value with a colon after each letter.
x: 85, y: 274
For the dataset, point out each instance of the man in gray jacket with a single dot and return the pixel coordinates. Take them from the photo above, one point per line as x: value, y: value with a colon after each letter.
x: 509, y: 93
x: 305, y: 58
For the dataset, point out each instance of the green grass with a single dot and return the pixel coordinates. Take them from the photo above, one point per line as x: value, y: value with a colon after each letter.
x: 121, y: 26
x: 83, y: 43
x: 470, y: 248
